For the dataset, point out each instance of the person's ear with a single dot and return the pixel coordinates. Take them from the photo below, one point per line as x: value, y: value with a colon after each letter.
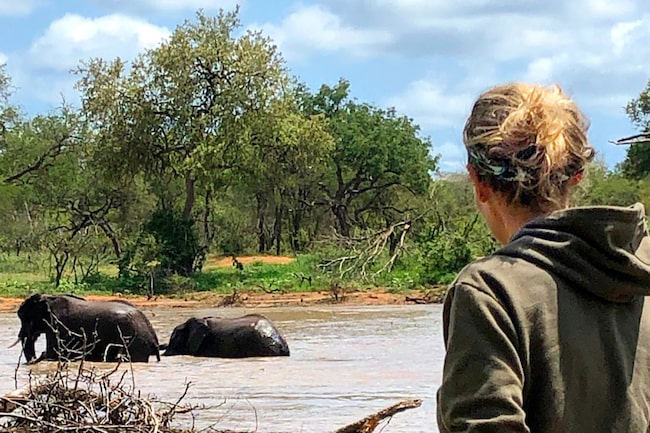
x: 577, y: 177
x: 482, y: 190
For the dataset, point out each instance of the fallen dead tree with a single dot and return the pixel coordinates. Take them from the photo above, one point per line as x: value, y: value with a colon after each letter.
x: 84, y: 399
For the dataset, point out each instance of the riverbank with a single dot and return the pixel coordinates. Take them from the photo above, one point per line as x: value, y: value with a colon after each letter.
x: 256, y: 299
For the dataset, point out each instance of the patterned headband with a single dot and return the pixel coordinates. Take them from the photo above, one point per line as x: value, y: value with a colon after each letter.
x: 504, y: 169
x: 501, y: 168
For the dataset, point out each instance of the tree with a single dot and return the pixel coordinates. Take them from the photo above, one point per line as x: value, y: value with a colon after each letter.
x: 57, y: 202
x: 452, y: 232
x: 8, y: 112
x: 183, y: 114
x: 604, y: 187
x: 288, y: 151
x: 377, y: 153
x: 636, y: 164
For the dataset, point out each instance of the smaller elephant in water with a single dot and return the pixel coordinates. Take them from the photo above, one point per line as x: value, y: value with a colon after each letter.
x: 240, y: 337
x: 75, y: 328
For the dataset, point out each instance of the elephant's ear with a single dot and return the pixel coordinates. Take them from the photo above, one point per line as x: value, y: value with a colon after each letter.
x: 198, y: 330
x: 31, y: 302
x: 34, y: 297
x: 177, y: 341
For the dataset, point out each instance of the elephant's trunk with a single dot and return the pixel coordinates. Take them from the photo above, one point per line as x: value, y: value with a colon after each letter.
x: 28, y: 349
x: 28, y: 343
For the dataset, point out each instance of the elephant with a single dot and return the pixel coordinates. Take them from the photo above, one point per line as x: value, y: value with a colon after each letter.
x: 241, y: 337
x: 75, y: 328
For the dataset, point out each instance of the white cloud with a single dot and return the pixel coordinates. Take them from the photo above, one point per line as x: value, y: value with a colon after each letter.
x: 621, y: 35
x: 607, y: 9
x: 481, y: 31
x: 167, y: 5
x: 431, y: 105
x: 600, y: 59
x: 73, y: 38
x: 542, y: 70
x: 170, y: 5
x: 17, y: 7
x: 604, y: 70
x: 43, y: 72
x: 3, y: 58
x: 314, y: 28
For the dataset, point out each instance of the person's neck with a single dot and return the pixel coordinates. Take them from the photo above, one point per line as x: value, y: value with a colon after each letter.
x: 513, y: 218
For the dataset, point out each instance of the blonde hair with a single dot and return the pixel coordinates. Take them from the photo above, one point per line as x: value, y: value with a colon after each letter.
x: 528, y: 142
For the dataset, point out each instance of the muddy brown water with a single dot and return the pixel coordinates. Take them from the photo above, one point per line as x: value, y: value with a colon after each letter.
x: 346, y: 362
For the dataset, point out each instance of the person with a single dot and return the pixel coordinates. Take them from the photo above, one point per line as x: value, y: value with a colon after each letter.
x: 551, y: 333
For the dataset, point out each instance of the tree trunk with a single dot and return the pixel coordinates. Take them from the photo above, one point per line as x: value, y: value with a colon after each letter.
x: 60, y: 263
x: 261, y: 233
x: 207, y: 233
x: 296, y: 217
x: 117, y: 249
x: 189, y: 196
x: 341, y: 213
x: 277, y: 229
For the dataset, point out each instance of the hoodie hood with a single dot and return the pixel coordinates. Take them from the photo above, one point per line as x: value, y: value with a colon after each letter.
x: 604, y: 250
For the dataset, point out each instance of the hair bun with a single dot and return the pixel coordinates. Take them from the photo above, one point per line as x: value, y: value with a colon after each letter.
x: 533, y: 130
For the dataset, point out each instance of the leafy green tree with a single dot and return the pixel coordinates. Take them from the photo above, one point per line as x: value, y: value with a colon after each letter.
x: 181, y: 109
x: 46, y: 162
x: 9, y: 113
x: 452, y: 232
x: 288, y: 152
x: 604, y: 187
x: 51, y: 195
x: 376, y: 154
x: 182, y: 115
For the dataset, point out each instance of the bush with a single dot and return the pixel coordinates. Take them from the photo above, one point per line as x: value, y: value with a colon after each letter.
x: 443, y: 256
x: 178, y: 249
x: 167, y: 247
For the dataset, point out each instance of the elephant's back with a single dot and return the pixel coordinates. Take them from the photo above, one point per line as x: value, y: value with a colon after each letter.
x: 272, y: 336
x: 108, y: 315
x: 248, y: 336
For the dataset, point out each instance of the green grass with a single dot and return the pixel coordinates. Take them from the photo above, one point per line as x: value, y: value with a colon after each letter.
x: 19, y: 277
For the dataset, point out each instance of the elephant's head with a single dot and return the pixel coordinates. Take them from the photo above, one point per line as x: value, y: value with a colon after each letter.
x: 187, y: 337
x: 35, y: 316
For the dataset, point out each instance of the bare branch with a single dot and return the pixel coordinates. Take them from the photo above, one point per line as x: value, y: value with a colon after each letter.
x: 52, y: 152
x: 643, y: 138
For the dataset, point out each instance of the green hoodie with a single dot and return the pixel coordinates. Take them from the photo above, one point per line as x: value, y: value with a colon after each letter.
x: 551, y: 333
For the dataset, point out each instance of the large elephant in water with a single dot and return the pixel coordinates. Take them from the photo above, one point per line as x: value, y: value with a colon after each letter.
x: 94, y: 330
x: 241, y: 337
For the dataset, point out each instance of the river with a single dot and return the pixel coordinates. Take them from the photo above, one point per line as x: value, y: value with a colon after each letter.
x: 346, y: 362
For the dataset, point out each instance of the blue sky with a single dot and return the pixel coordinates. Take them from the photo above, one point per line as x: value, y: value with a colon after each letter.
x: 427, y: 58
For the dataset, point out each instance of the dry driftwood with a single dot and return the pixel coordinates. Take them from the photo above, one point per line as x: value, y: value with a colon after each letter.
x: 82, y: 399
x: 370, y: 423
